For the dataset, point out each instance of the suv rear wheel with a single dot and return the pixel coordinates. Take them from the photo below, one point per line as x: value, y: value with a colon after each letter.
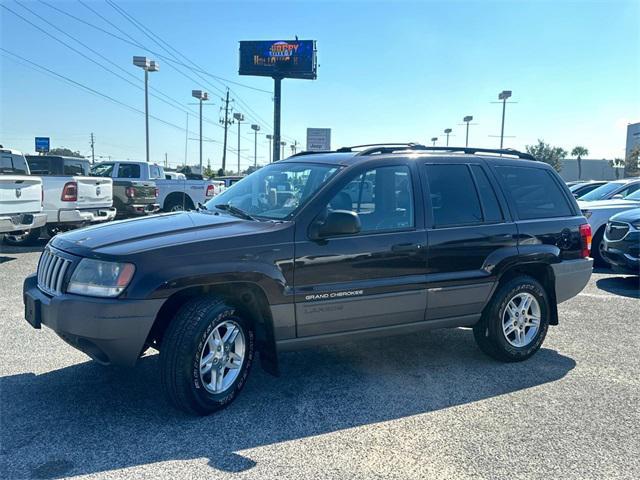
x: 206, y: 355
x: 515, y: 323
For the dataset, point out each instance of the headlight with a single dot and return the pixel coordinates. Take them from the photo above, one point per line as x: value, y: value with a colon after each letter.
x: 636, y: 224
x: 100, y: 279
x: 587, y: 213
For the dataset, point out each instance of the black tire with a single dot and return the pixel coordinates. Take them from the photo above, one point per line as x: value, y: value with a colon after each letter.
x: 596, y: 252
x: 178, y: 203
x: 22, y: 239
x: 181, y: 349
x: 488, y: 332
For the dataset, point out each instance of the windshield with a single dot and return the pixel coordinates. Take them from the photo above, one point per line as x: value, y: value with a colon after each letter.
x: 275, y: 191
x: 601, y: 192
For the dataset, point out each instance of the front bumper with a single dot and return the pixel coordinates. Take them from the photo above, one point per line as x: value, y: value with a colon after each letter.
x: 22, y: 221
x: 111, y: 331
x: 623, y: 255
x: 571, y: 276
x: 91, y: 215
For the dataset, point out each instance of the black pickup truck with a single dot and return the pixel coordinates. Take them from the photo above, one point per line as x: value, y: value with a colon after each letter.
x: 371, y: 241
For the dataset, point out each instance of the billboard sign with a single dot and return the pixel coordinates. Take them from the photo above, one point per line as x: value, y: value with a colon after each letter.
x: 42, y: 144
x: 318, y: 139
x: 278, y: 58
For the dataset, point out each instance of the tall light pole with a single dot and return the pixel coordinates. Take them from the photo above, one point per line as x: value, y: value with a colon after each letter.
x: 238, y: 118
x: 270, y: 137
x: 447, y: 132
x: 282, y: 144
x: 202, y: 96
x: 434, y: 140
x: 148, y: 66
x: 256, y: 129
x: 504, y: 95
x: 467, y: 120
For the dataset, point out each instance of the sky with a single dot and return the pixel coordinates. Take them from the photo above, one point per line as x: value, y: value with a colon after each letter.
x: 390, y: 71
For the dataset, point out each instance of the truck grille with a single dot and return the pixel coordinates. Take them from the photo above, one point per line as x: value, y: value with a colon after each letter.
x: 51, y: 271
x: 616, y: 230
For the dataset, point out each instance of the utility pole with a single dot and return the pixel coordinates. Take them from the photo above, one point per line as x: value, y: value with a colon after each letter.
x: 226, y: 122
x: 239, y: 117
x: 186, y: 139
x: 93, y: 153
x: 270, y: 137
x: 256, y: 129
x: 282, y: 144
x: 294, y: 147
x: 166, y: 160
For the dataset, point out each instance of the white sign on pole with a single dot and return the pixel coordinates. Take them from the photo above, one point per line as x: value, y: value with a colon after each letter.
x: 318, y: 139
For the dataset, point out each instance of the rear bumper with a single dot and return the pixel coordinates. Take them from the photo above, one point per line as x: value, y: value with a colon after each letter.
x: 571, y: 276
x: 22, y: 221
x: 90, y: 215
x: 136, y: 209
x: 111, y: 331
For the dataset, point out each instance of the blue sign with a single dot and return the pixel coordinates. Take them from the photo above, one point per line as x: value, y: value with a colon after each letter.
x: 279, y: 58
x: 42, y: 144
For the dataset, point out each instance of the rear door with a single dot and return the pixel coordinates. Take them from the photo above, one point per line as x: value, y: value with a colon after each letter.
x: 19, y: 193
x: 469, y: 231
x: 371, y: 279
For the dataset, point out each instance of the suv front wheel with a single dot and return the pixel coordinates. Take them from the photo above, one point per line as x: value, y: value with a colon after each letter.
x: 206, y: 355
x: 515, y: 323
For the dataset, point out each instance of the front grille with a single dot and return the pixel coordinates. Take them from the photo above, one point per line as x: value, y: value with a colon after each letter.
x: 51, y: 271
x: 616, y: 230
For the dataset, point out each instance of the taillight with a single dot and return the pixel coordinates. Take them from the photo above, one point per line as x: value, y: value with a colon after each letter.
x: 130, y: 192
x: 70, y: 192
x: 585, y: 238
x: 157, y: 191
x: 210, y: 191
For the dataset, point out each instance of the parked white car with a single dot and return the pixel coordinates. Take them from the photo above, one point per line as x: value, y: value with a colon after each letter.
x: 71, y: 197
x: 20, y: 196
x: 614, y: 190
x: 175, y: 191
x: 598, y: 213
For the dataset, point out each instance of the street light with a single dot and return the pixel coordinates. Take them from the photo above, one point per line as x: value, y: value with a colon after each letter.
x: 447, y: 132
x: 202, y: 96
x: 434, y: 140
x: 466, y: 120
x: 504, y: 95
x: 256, y: 129
x: 269, y: 137
x: 148, y: 66
x: 238, y: 118
x: 282, y: 144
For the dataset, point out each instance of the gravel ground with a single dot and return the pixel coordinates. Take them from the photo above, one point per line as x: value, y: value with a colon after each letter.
x: 425, y: 406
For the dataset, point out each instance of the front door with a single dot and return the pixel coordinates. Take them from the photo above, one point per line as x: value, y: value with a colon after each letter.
x: 371, y: 279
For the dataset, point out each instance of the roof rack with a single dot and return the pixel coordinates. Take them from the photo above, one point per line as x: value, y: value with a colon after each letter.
x: 398, y: 147
x: 309, y: 152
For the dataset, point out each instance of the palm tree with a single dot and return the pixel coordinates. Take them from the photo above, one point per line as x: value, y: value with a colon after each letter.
x: 579, y: 152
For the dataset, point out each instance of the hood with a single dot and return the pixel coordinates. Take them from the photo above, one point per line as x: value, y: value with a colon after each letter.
x: 629, y: 216
x: 158, y: 231
x: 601, y: 204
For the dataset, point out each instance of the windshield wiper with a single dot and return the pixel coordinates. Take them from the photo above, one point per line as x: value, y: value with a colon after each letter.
x: 234, y: 211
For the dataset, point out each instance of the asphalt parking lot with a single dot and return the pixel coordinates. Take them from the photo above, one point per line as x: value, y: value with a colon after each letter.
x: 426, y: 406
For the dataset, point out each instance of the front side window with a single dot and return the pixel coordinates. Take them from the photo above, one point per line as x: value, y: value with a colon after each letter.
x: 154, y: 172
x: 534, y: 193
x: 454, y: 199
x: 277, y: 190
x: 382, y: 198
x: 102, y: 170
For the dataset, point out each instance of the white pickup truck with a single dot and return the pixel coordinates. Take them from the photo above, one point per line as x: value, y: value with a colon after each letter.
x: 72, y: 198
x: 20, y: 197
x: 174, y: 194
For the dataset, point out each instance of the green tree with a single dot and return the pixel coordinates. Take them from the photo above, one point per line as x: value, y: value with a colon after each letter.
x: 616, y: 163
x: 65, y: 152
x: 548, y: 154
x: 209, y: 172
x: 631, y: 166
x: 579, y: 152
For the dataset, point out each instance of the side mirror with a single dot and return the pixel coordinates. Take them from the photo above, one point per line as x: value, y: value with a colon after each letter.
x: 337, y: 222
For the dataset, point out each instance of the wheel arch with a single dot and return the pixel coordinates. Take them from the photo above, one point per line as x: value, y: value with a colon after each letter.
x: 176, y: 198
x: 249, y: 298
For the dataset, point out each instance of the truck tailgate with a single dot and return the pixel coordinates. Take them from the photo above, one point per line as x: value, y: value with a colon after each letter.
x: 20, y: 194
x: 94, y: 192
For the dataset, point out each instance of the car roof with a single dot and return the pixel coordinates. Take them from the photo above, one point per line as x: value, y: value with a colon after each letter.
x: 10, y: 150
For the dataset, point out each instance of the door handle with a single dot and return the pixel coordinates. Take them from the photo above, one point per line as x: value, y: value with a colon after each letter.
x: 405, y: 247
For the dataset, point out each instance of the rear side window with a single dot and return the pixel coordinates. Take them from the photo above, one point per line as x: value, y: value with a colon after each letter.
x: 154, y: 172
x: 40, y: 166
x: 13, y: 164
x: 534, y: 193
x: 129, y: 170
x: 490, y: 206
x: 454, y: 200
